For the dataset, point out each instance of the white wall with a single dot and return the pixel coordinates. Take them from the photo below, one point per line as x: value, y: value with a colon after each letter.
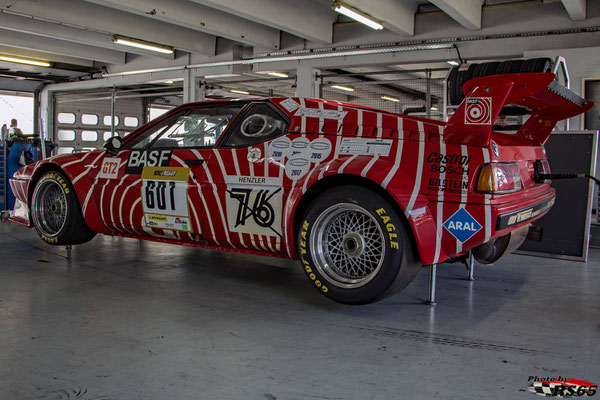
x: 582, y: 63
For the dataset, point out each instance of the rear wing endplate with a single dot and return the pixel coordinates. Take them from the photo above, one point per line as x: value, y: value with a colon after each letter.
x: 548, y: 101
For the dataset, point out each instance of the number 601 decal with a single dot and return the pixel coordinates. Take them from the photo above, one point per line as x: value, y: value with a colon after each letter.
x: 164, y: 198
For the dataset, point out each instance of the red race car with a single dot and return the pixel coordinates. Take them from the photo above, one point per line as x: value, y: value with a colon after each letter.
x: 362, y: 197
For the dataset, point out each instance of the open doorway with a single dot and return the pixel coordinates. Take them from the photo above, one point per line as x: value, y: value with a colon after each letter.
x: 19, y: 106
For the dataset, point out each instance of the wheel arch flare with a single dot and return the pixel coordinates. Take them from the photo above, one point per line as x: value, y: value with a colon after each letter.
x: 415, y: 214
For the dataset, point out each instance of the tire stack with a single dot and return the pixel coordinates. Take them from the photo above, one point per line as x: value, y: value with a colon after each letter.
x: 461, y: 74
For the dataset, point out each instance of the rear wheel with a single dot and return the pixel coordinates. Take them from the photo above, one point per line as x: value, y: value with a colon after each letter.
x: 354, y: 246
x: 56, y: 213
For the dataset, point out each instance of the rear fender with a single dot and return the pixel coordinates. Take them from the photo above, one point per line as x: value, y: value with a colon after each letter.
x: 399, y: 188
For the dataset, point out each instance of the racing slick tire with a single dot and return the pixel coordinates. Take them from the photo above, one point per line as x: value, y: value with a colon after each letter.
x: 56, y: 212
x: 354, y: 246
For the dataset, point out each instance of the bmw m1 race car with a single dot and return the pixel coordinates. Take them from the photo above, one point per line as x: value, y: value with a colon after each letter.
x: 362, y: 197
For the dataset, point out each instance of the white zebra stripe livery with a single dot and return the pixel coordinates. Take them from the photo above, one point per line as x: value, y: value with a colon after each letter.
x: 93, y: 164
x: 190, y: 205
x: 440, y: 212
x: 344, y: 165
x: 417, y: 185
x: 216, y: 192
x: 396, y: 166
x: 488, y: 211
x: 206, y: 210
x: 463, y: 196
x: 359, y: 123
x: 367, y: 167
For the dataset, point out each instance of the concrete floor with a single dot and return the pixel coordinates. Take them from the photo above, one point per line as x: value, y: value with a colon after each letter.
x: 124, y: 321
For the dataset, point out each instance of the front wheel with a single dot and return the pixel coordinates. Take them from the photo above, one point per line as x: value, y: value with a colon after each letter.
x: 56, y: 213
x: 354, y: 246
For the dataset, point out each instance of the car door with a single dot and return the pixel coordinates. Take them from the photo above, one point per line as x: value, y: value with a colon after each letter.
x: 151, y: 188
x: 243, y: 185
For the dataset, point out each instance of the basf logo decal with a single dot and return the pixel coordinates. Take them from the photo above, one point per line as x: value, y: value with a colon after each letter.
x: 561, y: 387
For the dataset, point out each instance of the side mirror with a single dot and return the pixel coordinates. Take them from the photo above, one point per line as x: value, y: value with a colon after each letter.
x: 113, y: 145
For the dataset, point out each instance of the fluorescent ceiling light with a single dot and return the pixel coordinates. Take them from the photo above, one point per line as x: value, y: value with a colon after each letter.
x: 142, y: 44
x: 394, y: 99
x: 28, y: 61
x: 239, y: 91
x: 452, y: 62
x: 344, y: 88
x: 433, y: 108
x: 221, y: 76
x: 357, y: 15
x: 278, y: 74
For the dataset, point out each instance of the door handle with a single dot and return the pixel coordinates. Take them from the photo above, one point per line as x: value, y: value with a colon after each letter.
x: 194, y: 161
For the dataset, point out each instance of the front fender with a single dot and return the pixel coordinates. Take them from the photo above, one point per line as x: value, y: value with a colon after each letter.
x: 76, y: 167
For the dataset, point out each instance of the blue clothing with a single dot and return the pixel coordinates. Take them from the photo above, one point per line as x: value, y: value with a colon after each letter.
x: 14, y: 165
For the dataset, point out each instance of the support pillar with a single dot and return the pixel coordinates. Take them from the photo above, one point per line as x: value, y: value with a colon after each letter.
x: 307, y: 82
x: 193, y: 87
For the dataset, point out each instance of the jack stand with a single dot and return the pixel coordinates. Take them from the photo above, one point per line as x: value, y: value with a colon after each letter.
x: 470, y: 262
x: 68, y: 248
x: 432, y: 276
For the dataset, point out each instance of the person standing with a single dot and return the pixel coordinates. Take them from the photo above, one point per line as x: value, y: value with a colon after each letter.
x: 14, y: 130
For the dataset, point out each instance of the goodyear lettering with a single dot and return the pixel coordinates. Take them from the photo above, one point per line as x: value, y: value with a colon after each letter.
x: 389, y: 226
x: 49, y: 240
x: 307, y: 268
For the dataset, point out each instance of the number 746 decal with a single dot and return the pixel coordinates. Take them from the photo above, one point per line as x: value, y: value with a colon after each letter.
x: 164, y: 198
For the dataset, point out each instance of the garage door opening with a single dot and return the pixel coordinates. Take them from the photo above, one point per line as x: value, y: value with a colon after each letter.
x: 19, y: 106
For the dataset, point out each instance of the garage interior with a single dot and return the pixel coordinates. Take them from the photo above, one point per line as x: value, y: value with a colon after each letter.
x: 119, y: 318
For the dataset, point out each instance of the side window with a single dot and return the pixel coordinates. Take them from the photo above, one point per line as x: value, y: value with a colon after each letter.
x: 259, y: 123
x: 198, y: 127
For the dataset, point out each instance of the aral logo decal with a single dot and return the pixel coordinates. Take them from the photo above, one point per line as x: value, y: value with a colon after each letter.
x: 462, y: 225
x: 138, y: 159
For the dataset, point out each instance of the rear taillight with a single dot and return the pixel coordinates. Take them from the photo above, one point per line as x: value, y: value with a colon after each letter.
x: 541, y: 168
x: 499, y: 178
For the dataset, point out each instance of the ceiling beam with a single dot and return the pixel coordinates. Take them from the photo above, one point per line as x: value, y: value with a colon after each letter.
x: 465, y: 12
x: 303, y: 20
x: 194, y: 16
x: 575, y: 8
x: 397, y: 16
x: 104, y: 19
x: 70, y: 49
x: 49, y: 29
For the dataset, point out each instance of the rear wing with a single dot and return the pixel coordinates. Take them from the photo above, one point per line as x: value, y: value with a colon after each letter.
x: 548, y: 101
